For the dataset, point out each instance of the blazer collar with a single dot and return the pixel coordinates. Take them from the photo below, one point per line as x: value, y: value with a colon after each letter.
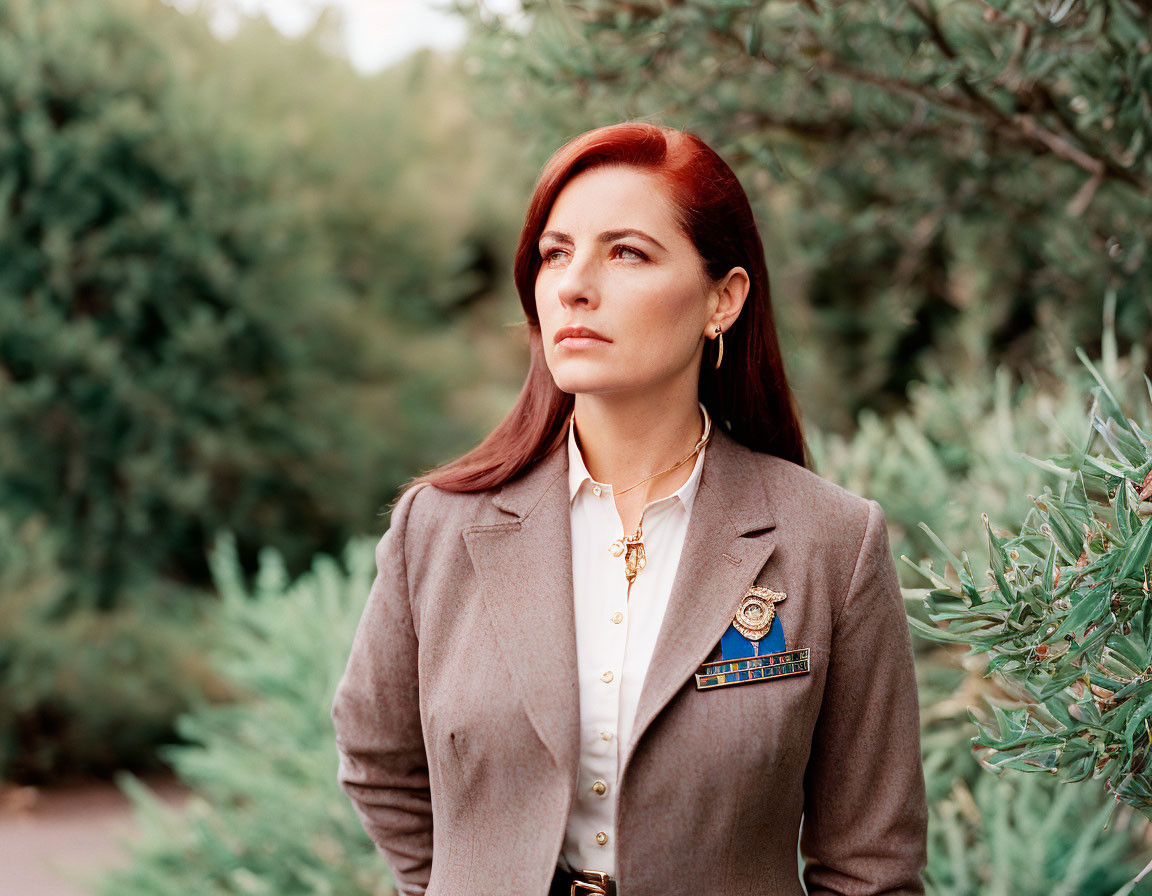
x: 729, y: 470
x: 524, y: 568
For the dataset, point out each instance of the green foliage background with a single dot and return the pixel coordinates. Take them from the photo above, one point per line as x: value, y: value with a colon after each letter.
x: 216, y: 313
x: 940, y: 184
x: 231, y: 300
x: 246, y: 291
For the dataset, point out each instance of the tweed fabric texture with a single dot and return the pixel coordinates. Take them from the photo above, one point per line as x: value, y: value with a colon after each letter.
x: 459, y: 702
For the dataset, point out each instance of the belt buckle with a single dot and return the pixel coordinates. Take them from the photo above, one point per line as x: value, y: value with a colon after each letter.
x: 601, y: 884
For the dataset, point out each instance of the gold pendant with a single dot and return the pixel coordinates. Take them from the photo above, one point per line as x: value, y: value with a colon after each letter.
x: 634, y: 559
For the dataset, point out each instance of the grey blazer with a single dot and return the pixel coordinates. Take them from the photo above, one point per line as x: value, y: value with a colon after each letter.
x: 457, y: 717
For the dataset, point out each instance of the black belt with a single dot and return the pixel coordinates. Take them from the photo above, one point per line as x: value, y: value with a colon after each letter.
x: 582, y: 883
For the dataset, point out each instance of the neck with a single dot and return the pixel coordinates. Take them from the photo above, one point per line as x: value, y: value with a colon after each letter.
x: 625, y: 439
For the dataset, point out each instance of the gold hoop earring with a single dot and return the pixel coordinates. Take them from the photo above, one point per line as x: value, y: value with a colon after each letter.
x: 720, y: 340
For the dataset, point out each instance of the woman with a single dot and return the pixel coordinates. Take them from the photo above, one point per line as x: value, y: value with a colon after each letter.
x: 629, y: 643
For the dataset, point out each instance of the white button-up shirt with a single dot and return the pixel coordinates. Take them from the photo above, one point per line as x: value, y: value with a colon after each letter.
x: 615, y: 637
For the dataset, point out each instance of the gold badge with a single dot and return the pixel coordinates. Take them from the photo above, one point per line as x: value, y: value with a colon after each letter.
x: 757, y: 610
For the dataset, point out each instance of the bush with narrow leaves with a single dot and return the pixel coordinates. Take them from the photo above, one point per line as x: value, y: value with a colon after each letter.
x: 268, y: 816
x: 1066, y: 621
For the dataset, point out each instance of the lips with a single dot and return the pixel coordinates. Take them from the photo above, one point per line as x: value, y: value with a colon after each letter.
x: 579, y: 332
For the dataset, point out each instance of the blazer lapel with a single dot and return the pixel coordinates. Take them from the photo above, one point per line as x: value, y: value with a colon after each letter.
x: 525, y: 571
x: 717, y: 566
x: 524, y: 565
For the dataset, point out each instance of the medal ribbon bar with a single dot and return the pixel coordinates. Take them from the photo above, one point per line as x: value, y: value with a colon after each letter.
x: 754, y: 668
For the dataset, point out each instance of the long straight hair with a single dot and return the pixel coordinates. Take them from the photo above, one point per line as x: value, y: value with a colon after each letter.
x: 748, y: 396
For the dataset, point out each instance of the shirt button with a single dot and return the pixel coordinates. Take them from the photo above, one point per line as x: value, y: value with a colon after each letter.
x: 596, y: 490
x: 606, y: 677
x: 617, y: 618
x: 601, y: 837
x: 599, y: 787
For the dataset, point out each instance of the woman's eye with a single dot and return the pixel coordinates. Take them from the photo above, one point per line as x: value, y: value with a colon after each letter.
x: 549, y: 255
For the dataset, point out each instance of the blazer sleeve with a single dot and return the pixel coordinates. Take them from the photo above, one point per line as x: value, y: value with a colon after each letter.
x: 864, y: 831
x: 375, y: 712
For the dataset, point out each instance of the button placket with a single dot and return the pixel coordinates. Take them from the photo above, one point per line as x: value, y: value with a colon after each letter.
x: 615, y: 625
x: 613, y: 646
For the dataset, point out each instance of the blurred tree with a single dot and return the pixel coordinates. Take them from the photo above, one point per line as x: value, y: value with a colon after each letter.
x: 97, y: 691
x: 944, y: 183
x: 153, y: 337
x: 225, y: 290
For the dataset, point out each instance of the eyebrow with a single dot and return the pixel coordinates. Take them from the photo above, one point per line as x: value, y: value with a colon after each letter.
x: 606, y: 237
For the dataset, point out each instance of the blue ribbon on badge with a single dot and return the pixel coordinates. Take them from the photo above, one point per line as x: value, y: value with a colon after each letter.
x: 734, y: 646
x: 757, y: 610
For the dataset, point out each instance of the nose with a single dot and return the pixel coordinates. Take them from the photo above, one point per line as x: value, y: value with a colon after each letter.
x: 577, y: 282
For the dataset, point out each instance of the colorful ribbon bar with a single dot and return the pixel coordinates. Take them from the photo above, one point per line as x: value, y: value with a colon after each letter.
x: 756, y: 668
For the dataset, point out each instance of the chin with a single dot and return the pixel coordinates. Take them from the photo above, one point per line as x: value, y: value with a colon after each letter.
x: 586, y: 382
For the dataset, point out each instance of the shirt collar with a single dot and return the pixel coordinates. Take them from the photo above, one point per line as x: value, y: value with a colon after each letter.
x: 578, y: 471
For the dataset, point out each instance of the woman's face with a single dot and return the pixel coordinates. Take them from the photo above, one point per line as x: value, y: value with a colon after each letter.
x: 615, y: 261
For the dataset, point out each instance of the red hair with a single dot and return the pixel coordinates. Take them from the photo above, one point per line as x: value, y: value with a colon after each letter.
x: 748, y: 396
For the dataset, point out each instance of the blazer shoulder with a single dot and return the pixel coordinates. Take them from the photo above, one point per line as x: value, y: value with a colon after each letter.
x: 807, y: 501
x: 426, y: 508
x: 808, y: 485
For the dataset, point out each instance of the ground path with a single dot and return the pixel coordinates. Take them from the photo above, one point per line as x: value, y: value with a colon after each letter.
x: 51, y: 838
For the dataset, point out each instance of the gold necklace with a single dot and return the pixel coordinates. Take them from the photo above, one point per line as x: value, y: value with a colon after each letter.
x: 635, y: 558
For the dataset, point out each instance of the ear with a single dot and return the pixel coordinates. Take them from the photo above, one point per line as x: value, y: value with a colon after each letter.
x: 729, y: 293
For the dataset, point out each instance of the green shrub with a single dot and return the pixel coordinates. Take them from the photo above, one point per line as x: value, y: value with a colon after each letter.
x: 96, y: 691
x: 1027, y: 837
x: 156, y: 346
x: 1064, y: 622
x: 230, y: 298
x: 956, y: 451
x: 967, y: 446
x: 218, y: 309
x: 268, y: 816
